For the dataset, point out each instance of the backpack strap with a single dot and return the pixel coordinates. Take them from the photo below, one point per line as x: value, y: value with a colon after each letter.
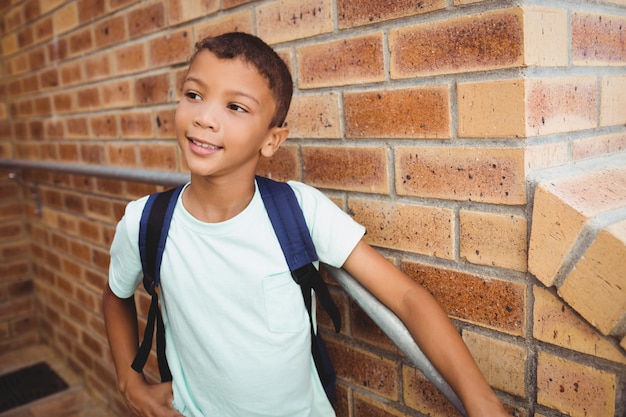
x: 293, y: 234
x: 153, y: 227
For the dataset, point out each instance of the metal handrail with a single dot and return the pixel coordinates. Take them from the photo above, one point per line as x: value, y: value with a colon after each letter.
x: 388, y: 322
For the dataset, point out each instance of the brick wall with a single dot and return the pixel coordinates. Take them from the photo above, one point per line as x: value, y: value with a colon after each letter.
x: 425, y: 120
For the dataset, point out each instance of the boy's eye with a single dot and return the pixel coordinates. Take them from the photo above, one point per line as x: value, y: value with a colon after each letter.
x: 237, y: 107
x: 193, y: 95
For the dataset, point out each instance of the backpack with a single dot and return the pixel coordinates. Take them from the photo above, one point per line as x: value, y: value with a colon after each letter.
x: 293, y: 235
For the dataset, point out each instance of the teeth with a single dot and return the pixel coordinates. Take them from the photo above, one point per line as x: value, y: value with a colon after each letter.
x: 204, y: 145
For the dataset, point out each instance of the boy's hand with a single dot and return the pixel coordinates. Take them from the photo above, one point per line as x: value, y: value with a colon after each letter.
x: 149, y: 400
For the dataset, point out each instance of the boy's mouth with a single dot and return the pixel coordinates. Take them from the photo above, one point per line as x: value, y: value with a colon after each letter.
x: 204, y: 144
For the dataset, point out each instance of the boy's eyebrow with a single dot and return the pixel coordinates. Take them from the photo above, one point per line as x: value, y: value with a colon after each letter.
x: 236, y: 92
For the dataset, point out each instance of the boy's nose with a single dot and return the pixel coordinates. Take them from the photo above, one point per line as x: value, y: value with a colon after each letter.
x: 206, y: 118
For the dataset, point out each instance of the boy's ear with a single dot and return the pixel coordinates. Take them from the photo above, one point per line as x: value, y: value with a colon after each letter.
x: 275, y: 138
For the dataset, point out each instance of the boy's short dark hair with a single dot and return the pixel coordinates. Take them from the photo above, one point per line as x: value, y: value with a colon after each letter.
x: 256, y: 52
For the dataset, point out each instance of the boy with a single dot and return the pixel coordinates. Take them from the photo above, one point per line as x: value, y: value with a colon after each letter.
x: 237, y: 331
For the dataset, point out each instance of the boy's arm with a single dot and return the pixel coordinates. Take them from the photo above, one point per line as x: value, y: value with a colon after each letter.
x: 120, y: 317
x: 429, y: 325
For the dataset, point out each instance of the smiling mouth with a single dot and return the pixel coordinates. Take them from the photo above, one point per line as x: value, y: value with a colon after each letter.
x: 204, y: 145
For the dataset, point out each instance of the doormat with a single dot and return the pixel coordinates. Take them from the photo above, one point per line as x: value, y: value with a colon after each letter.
x: 28, y: 384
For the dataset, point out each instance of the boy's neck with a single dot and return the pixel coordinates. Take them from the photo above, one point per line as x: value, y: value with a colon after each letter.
x: 215, y: 200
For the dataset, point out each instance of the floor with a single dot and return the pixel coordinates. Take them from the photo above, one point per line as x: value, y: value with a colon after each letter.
x: 72, y: 402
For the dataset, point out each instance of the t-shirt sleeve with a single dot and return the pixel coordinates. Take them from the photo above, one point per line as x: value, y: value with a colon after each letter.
x: 125, y: 272
x: 335, y: 234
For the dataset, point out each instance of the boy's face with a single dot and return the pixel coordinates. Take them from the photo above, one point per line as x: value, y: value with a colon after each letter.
x: 222, y: 120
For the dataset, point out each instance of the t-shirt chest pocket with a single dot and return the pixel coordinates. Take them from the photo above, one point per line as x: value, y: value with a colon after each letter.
x: 283, y: 304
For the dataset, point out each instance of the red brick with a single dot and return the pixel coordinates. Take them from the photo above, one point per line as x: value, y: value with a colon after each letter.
x: 81, y: 41
x: 159, y: 157
x: 346, y: 168
x: 165, y: 123
x: 283, y: 166
x: 116, y: 94
x: 49, y: 79
x: 104, y: 126
x: 364, y: 369
x: 71, y: 73
x: 90, y: 9
x: 121, y: 155
x: 598, y: 39
x: 173, y: 48
x: 419, y: 112
x: 88, y: 98
x: 136, y: 125
x: 153, y: 89
x: 422, y: 395
x: 352, y: 13
x: 43, y: 29
x: 480, y: 42
x: 111, y: 31
x: 146, y: 19
x: 483, y: 300
x: 347, y: 61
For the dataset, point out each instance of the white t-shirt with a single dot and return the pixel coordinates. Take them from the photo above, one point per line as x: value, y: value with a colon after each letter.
x: 237, y: 330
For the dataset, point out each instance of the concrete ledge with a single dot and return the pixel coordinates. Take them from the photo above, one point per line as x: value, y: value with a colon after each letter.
x: 578, y: 240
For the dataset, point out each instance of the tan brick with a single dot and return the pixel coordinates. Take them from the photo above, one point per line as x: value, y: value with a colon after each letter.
x: 488, y: 175
x: 417, y: 229
x: 65, y: 18
x: 351, y: 13
x: 237, y: 22
x: 422, y: 396
x: 367, y: 407
x: 574, y: 389
x: 9, y: 44
x: 315, y: 116
x: 493, y: 239
x: 111, y: 31
x: 285, y: 20
x: 424, y: 113
x: 482, y: 300
x: 484, y: 41
x: 98, y: 66
x: 502, y: 364
x: 71, y: 73
x: 130, y: 59
x: 146, y: 19
x: 561, y: 105
x: 491, y: 109
x: 227, y: 4
x: 182, y: 11
x: 546, y: 155
x: 546, y: 41
x: 364, y: 369
x: 346, y: 168
x: 557, y: 324
x: 612, y: 100
x: 598, y: 145
x: 347, y: 61
x: 561, y: 209
x: 598, y: 39
x: 596, y: 287
x: 172, y: 48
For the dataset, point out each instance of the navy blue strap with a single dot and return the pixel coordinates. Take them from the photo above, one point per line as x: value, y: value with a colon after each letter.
x: 153, y: 227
